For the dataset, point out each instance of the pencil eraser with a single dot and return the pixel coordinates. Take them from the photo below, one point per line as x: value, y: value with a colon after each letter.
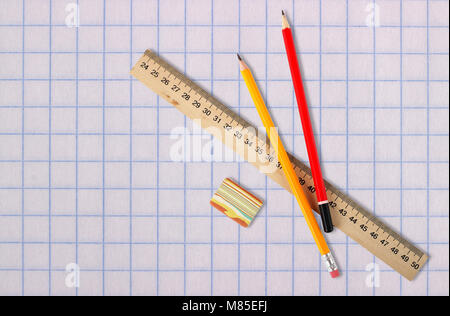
x: 334, y: 273
x: 236, y: 202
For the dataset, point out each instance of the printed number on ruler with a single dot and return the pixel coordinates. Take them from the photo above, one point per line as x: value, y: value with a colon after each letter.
x: 216, y: 118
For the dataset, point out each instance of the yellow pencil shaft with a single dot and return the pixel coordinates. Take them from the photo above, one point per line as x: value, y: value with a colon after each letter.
x: 285, y: 161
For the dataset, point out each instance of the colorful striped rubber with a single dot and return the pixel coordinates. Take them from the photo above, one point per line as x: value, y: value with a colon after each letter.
x: 236, y: 202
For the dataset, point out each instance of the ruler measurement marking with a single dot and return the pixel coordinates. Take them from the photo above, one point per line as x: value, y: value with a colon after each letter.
x: 269, y: 158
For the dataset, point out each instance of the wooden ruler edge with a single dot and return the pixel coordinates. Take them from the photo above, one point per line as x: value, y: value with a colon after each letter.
x: 331, y: 189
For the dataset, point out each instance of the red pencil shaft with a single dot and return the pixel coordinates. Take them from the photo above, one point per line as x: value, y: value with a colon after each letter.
x: 304, y: 115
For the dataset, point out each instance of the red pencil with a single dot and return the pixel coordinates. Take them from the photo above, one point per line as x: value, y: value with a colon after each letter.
x: 321, y: 193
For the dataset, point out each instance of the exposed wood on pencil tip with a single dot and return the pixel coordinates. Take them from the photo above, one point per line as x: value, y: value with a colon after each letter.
x: 284, y: 21
x: 242, y: 65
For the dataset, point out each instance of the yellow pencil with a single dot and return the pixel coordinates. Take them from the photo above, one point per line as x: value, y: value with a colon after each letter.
x: 288, y: 169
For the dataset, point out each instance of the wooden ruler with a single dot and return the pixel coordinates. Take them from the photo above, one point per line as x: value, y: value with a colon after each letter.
x: 243, y: 138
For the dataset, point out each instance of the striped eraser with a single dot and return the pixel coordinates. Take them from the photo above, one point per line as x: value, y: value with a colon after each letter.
x: 236, y: 202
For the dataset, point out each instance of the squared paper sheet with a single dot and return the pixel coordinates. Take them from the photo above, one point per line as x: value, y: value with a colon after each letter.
x: 86, y: 175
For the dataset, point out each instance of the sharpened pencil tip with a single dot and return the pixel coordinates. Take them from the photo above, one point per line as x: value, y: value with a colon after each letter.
x: 242, y: 65
x: 284, y: 21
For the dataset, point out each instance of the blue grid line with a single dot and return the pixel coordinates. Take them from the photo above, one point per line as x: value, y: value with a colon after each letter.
x: 76, y: 146
x: 233, y: 25
x: 229, y: 80
x: 184, y: 171
x: 103, y: 147
x: 267, y: 204
x: 158, y: 163
x: 320, y: 115
x: 192, y: 243
x: 346, y: 143
x: 306, y: 52
x: 36, y: 214
x: 167, y: 107
x: 239, y: 164
x: 374, y: 130
x: 168, y: 134
x: 203, y: 270
x: 23, y: 151
x: 212, y: 163
x: 202, y: 162
x: 428, y: 146
x: 206, y: 189
x: 50, y: 154
x: 401, y: 130
x: 292, y: 197
x: 131, y: 152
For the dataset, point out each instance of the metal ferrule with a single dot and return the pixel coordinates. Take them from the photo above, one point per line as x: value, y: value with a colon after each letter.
x: 330, y: 262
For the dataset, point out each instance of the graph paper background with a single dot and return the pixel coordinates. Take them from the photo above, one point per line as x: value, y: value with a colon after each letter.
x: 86, y: 175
